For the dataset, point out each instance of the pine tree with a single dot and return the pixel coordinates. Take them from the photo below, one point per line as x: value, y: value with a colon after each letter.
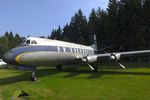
x: 17, y: 40
x: 77, y: 30
x: 56, y: 34
x: 130, y: 23
x: 93, y: 25
x: 112, y: 25
x: 146, y: 22
x: 102, y: 34
x: 4, y: 44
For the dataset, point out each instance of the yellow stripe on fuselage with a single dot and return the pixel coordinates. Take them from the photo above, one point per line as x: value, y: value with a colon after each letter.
x: 18, y: 58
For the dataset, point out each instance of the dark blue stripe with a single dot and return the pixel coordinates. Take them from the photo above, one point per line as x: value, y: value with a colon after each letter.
x: 24, y: 49
x: 19, y: 50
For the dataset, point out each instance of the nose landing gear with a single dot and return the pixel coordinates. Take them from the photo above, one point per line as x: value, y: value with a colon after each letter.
x: 33, y: 76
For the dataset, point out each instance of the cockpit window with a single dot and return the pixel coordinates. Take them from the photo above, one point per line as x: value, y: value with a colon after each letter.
x: 33, y: 42
x: 23, y: 41
x: 28, y: 42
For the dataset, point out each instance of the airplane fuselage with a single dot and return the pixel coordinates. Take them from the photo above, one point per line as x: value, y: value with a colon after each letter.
x: 37, y: 51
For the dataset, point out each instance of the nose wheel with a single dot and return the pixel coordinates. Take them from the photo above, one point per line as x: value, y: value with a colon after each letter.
x: 33, y: 76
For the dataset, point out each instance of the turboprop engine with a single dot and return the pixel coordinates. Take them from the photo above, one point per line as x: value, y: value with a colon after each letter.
x: 91, y: 59
x: 114, y: 57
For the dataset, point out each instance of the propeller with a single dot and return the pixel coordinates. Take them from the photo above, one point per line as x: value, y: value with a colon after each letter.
x: 84, y: 59
x: 118, y: 49
x: 115, y: 56
x: 90, y: 65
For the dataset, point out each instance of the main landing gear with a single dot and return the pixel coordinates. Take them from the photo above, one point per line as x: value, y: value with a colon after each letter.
x: 33, y: 76
x: 95, y: 69
x: 59, y: 67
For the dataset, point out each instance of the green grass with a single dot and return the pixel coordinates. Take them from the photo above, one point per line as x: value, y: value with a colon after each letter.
x: 107, y: 84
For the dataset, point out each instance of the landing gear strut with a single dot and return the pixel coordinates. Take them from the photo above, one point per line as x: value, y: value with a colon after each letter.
x: 33, y: 76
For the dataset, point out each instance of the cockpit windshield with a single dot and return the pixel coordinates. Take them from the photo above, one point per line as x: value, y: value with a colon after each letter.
x: 28, y: 41
x: 33, y: 42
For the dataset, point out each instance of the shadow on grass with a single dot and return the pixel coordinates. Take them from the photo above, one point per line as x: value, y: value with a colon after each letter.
x: 26, y: 76
x: 95, y: 75
x: 73, y: 73
x: 124, y: 73
x: 3, y: 68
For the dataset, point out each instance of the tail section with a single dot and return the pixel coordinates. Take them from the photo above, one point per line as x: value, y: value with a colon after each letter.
x: 94, y: 46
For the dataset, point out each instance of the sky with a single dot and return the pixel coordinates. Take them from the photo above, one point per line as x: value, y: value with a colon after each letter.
x: 39, y: 17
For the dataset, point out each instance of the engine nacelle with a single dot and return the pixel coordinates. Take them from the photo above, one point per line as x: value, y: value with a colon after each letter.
x: 91, y: 59
x: 115, y: 57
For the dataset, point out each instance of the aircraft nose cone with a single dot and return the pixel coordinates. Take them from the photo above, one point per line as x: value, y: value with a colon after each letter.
x: 8, y: 58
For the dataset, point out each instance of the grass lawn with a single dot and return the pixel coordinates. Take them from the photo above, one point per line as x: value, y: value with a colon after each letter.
x: 107, y: 84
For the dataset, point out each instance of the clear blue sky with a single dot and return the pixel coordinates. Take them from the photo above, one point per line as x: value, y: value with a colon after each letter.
x: 39, y: 17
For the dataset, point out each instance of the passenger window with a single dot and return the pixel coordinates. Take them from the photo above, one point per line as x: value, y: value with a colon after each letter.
x: 70, y: 49
x: 64, y: 49
x: 58, y: 49
x: 80, y: 50
x: 75, y: 49
x: 67, y: 50
x: 61, y: 49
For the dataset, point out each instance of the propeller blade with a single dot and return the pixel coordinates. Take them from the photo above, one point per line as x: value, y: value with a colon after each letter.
x: 90, y: 66
x: 106, y: 48
x: 87, y: 63
x: 118, y: 49
x: 106, y: 53
x: 121, y: 65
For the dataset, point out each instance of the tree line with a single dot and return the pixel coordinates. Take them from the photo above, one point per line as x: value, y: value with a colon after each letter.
x: 9, y: 41
x: 124, y: 22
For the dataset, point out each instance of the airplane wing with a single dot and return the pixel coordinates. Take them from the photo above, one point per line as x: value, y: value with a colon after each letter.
x: 116, y: 56
x: 111, y: 56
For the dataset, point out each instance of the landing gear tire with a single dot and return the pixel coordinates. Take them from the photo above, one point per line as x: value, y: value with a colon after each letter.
x: 95, y: 69
x: 33, y: 77
x: 59, y: 67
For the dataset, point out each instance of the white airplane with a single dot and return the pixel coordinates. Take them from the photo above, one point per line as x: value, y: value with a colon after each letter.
x: 2, y: 63
x: 38, y: 51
